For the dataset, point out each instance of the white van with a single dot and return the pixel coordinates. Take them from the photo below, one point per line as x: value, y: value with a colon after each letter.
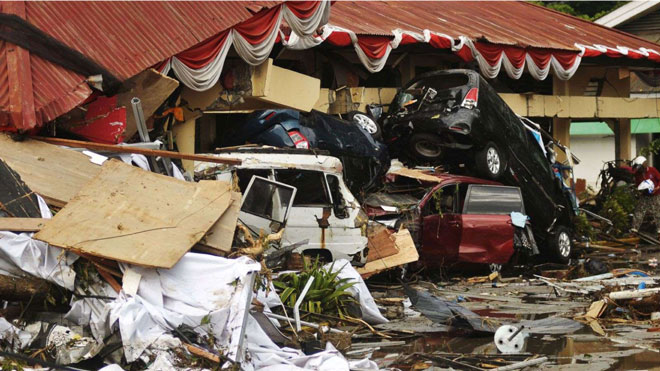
x: 324, y: 211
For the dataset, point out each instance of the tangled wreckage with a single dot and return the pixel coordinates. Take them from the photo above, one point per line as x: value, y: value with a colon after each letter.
x: 113, y: 258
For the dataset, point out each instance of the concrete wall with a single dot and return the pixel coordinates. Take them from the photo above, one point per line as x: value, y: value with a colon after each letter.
x: 593, y: 151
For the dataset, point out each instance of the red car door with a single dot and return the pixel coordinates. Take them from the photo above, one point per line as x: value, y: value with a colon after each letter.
x: 487, y: 229
x: 441, y: 227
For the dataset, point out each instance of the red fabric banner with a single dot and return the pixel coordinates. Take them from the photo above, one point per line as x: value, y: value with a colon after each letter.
x: 256, y: 29
x: 515, y: 55
x: 374, y: 47
x: 440, y: 42
x: 303, y: 9
x: 490, y: 52
x: 206, y: 51
x: 338, y: 38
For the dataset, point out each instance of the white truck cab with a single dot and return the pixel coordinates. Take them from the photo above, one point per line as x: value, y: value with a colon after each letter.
x: 324, y: 211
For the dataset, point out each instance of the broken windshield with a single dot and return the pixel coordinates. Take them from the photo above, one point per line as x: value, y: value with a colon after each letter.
x: 449, y: 89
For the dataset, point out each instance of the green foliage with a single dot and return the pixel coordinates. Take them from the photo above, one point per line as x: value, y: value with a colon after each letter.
x: 589, y: 10
x: 437, y: 200
x: 327, y: 294
x: 652, y: 148
x: 618, y: 206
x: 583, y: 227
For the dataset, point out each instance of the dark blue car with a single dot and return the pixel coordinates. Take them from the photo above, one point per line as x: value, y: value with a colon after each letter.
x: 365, y: 159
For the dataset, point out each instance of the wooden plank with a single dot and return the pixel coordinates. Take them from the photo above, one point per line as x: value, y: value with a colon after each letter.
x: 140, y: 151
x: 416, y: 174
x: 221, y: 235
x: 22, y: 224
x: 381, y: 243
x: 137, y: 217
x: 407, y: 254
x: 54, y: 173
x: 16, y: 198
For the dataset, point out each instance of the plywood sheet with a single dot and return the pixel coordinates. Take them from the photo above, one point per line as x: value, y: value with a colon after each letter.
x: 381, y: 243
x: 138, y: 217
x: 416, y: 174
x: 55, y: 173
x: 22, y: 224
x: 221, y: 235
x: 407, y: 254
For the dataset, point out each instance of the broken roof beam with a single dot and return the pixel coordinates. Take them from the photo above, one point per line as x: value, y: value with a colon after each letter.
x: 140, y: 151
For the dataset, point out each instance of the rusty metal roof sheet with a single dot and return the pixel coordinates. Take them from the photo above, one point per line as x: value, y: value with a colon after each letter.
x: 127, y: 37
x: 516, y: 23
x: 124, y: 37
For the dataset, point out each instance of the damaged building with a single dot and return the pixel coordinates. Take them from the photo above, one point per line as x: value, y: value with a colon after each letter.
x: 287, y: 185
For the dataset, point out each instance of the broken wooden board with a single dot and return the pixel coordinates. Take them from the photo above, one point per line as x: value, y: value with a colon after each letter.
x: 221, y: 235
x: 407, y: 254
x: 152, y: 88
x: 22, y: 224
x: 137, y: 217
x: 55, y: 173
x: 381, y: 243
x: 416, y: 174
x: 16, y: 198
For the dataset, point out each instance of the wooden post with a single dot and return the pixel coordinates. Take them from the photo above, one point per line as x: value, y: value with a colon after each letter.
x: 622, y: 137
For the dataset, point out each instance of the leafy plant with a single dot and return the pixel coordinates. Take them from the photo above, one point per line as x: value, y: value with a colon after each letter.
x: 618, y: 206
x: 652, y: 149
x: 583, y: 227
x: 328, y: 294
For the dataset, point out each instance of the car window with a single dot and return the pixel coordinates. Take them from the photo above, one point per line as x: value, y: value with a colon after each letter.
x: 268, y: 199
x: 443, y: 200
x: 312, y: 190
x: 485, y: 199
x: 244, y: 176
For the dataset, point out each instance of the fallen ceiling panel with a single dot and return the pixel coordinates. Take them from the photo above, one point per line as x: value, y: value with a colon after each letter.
x: 137, y: 217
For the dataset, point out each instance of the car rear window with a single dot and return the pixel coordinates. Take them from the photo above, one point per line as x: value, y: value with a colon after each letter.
x: 485, y: 199
x: 442, y: 82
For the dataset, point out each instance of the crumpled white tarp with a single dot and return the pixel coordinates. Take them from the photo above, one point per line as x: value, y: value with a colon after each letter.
x: 20, y: 254
x: 204, y: 292
x: 265, y: 355
x: 13, y: 335
x: 370, y: 312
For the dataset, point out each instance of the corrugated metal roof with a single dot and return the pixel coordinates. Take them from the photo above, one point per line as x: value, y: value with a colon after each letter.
x: 127, y: 37
x: 501, y: 22
x: 124, y: 37
x: 4, y: 86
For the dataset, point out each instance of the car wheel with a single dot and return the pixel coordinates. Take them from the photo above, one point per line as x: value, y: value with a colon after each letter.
x: 426, y: 147
x: 491, y: 162
x: 366, y: 122
x: 560, y: 245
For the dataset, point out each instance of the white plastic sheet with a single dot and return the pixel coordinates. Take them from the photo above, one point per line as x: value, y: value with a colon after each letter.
x: 370, y: 312
x: 266, y: 355
x: 204, y: 292
x: 20, y: 254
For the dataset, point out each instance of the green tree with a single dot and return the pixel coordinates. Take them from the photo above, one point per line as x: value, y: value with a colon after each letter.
x: 589, y: 10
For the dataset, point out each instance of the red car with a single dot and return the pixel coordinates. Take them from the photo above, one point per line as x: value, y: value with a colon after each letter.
x: 452, y: 218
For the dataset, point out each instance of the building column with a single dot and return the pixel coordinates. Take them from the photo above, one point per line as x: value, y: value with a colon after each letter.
x: 622, y: 137
x: 561, y: 132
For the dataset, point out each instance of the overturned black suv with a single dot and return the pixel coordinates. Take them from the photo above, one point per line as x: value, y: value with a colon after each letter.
x: 456, y: 119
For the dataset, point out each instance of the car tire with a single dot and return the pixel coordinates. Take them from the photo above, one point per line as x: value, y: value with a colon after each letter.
x: 426, y: 147
x: 366, y: 122
x: 491, y: 162
x: 560, y: 245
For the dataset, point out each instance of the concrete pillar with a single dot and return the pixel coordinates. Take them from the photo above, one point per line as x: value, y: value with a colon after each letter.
x: 561, y: 132
x: 622, y: 137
